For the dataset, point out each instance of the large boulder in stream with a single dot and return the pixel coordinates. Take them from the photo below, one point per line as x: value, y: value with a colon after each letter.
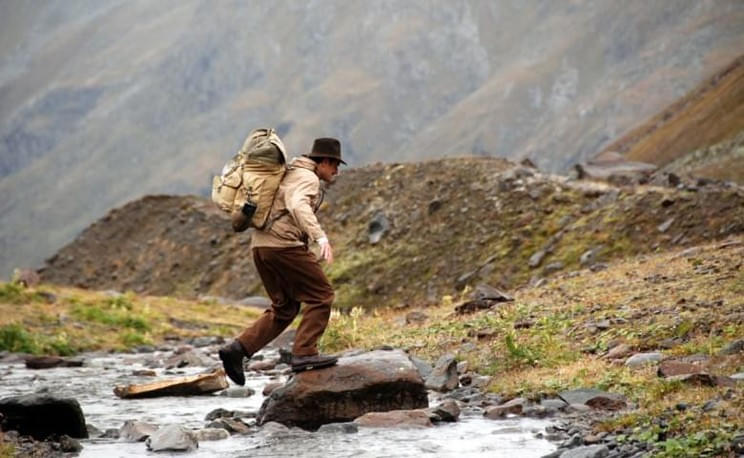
x: 375, y: 381
x: 42, y: 416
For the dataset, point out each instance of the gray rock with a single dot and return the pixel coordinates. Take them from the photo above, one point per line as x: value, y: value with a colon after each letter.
x: 42, y: 415
x: 591, y: 451
x: 339, y: 428
x: 238, y: 392
x: 515, y: 406
x: 738, y: 377
x: 447, y: 411
x: 136, y: 431
x: 488, y: 292
x: 219, y: 413
x: 395, y: 418
x: 733, y: 348
x: 444, y: 376
x: 536, y: 259
x: 378, y: 227
x: 663, y: 227
x: 557, y: 404
x: 642, y: 359
x: 69, y: 445
x: 595, y: 399
x: 211, y: 434
x: 174, y: 438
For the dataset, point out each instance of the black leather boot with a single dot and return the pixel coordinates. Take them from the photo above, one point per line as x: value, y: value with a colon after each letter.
x: 307, y: 363
x: 232, y: 360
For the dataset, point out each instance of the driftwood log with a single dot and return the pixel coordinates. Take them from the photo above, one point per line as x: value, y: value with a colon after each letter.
x: 183, y: 386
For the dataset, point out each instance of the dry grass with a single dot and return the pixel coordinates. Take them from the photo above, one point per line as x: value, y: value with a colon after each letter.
x: 80, y: 320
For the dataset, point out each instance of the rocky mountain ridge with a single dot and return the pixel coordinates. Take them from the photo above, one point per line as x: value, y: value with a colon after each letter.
x: 409, y: 233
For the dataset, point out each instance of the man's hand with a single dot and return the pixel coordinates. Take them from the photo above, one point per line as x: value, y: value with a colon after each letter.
x: 326, y: 251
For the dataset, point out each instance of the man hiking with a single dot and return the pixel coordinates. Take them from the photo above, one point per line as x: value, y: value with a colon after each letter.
x: 290, y: 272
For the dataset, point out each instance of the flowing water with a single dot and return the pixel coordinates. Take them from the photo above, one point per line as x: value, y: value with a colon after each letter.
x: 92, y: 385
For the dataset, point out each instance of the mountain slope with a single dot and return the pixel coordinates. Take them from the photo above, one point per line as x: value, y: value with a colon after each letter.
x: 711, y: 114
x: 103, y: 102
x: 442, y: 225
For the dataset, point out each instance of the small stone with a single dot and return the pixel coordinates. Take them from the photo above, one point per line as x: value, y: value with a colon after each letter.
x: 642, y: 359
x: 342, y: 428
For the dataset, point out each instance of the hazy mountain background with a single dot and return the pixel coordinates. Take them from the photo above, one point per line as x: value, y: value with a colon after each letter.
x: 104, y: 101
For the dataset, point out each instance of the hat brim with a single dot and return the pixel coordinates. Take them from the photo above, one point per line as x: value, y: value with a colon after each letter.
x: 326, y: 156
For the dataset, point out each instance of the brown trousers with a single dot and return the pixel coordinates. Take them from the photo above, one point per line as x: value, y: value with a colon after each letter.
x: 290, y: 276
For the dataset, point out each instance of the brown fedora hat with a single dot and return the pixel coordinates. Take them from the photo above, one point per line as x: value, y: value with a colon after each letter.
x: 327, y: 147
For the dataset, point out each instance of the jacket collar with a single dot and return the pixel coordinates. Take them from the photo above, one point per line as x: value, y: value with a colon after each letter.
x: 303, y: 162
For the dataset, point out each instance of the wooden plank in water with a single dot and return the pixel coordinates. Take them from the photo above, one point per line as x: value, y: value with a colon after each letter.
x: 183, y: 386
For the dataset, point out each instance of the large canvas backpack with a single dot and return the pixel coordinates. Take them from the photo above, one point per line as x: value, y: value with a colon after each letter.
x: 247, y: 186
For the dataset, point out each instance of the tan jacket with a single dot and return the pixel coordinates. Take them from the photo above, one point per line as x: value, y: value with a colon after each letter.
x: 293, y: 215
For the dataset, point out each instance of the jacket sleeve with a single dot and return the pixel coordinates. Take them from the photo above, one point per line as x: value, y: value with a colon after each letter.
x: 299, y: 204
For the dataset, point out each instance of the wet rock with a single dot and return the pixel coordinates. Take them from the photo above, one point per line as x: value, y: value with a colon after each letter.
x: 232, y: 425
x: 48, y: 362
x: 515, y: 406
x: 136, y: 431
x: 110, y: 433
x: 69, y: 445
x: 187, y: 358
x: 394, y: 418
x: 173, y: 438
x: 211, y: 434
x: 273, y: 428
x: 589, y: 451
x: 555, y: 404
x: 447, y: 411
x: 220, y: 413
x: 93, y: 431
x: 444, y: 376
x: 266, y: 365
x: 238, y: 392
x: 144, y: 373
x: 42, y: 416
x: 375, y: 381
x: 733, y: 348
x: 339, y: 428
x: 595, y: 399
x: 270, y: 387
x: 642, y: 359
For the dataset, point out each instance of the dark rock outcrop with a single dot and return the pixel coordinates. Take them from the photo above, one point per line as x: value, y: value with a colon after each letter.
x: 42, y: 416
x: 376, y: 381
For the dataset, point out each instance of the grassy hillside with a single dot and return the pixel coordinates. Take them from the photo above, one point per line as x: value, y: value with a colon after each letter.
x: 683, y: 302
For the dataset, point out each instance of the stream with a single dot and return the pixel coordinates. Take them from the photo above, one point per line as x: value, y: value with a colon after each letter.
x: 92, y: 386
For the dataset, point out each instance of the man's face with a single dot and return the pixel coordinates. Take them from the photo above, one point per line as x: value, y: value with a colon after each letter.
x: 327, y: 170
